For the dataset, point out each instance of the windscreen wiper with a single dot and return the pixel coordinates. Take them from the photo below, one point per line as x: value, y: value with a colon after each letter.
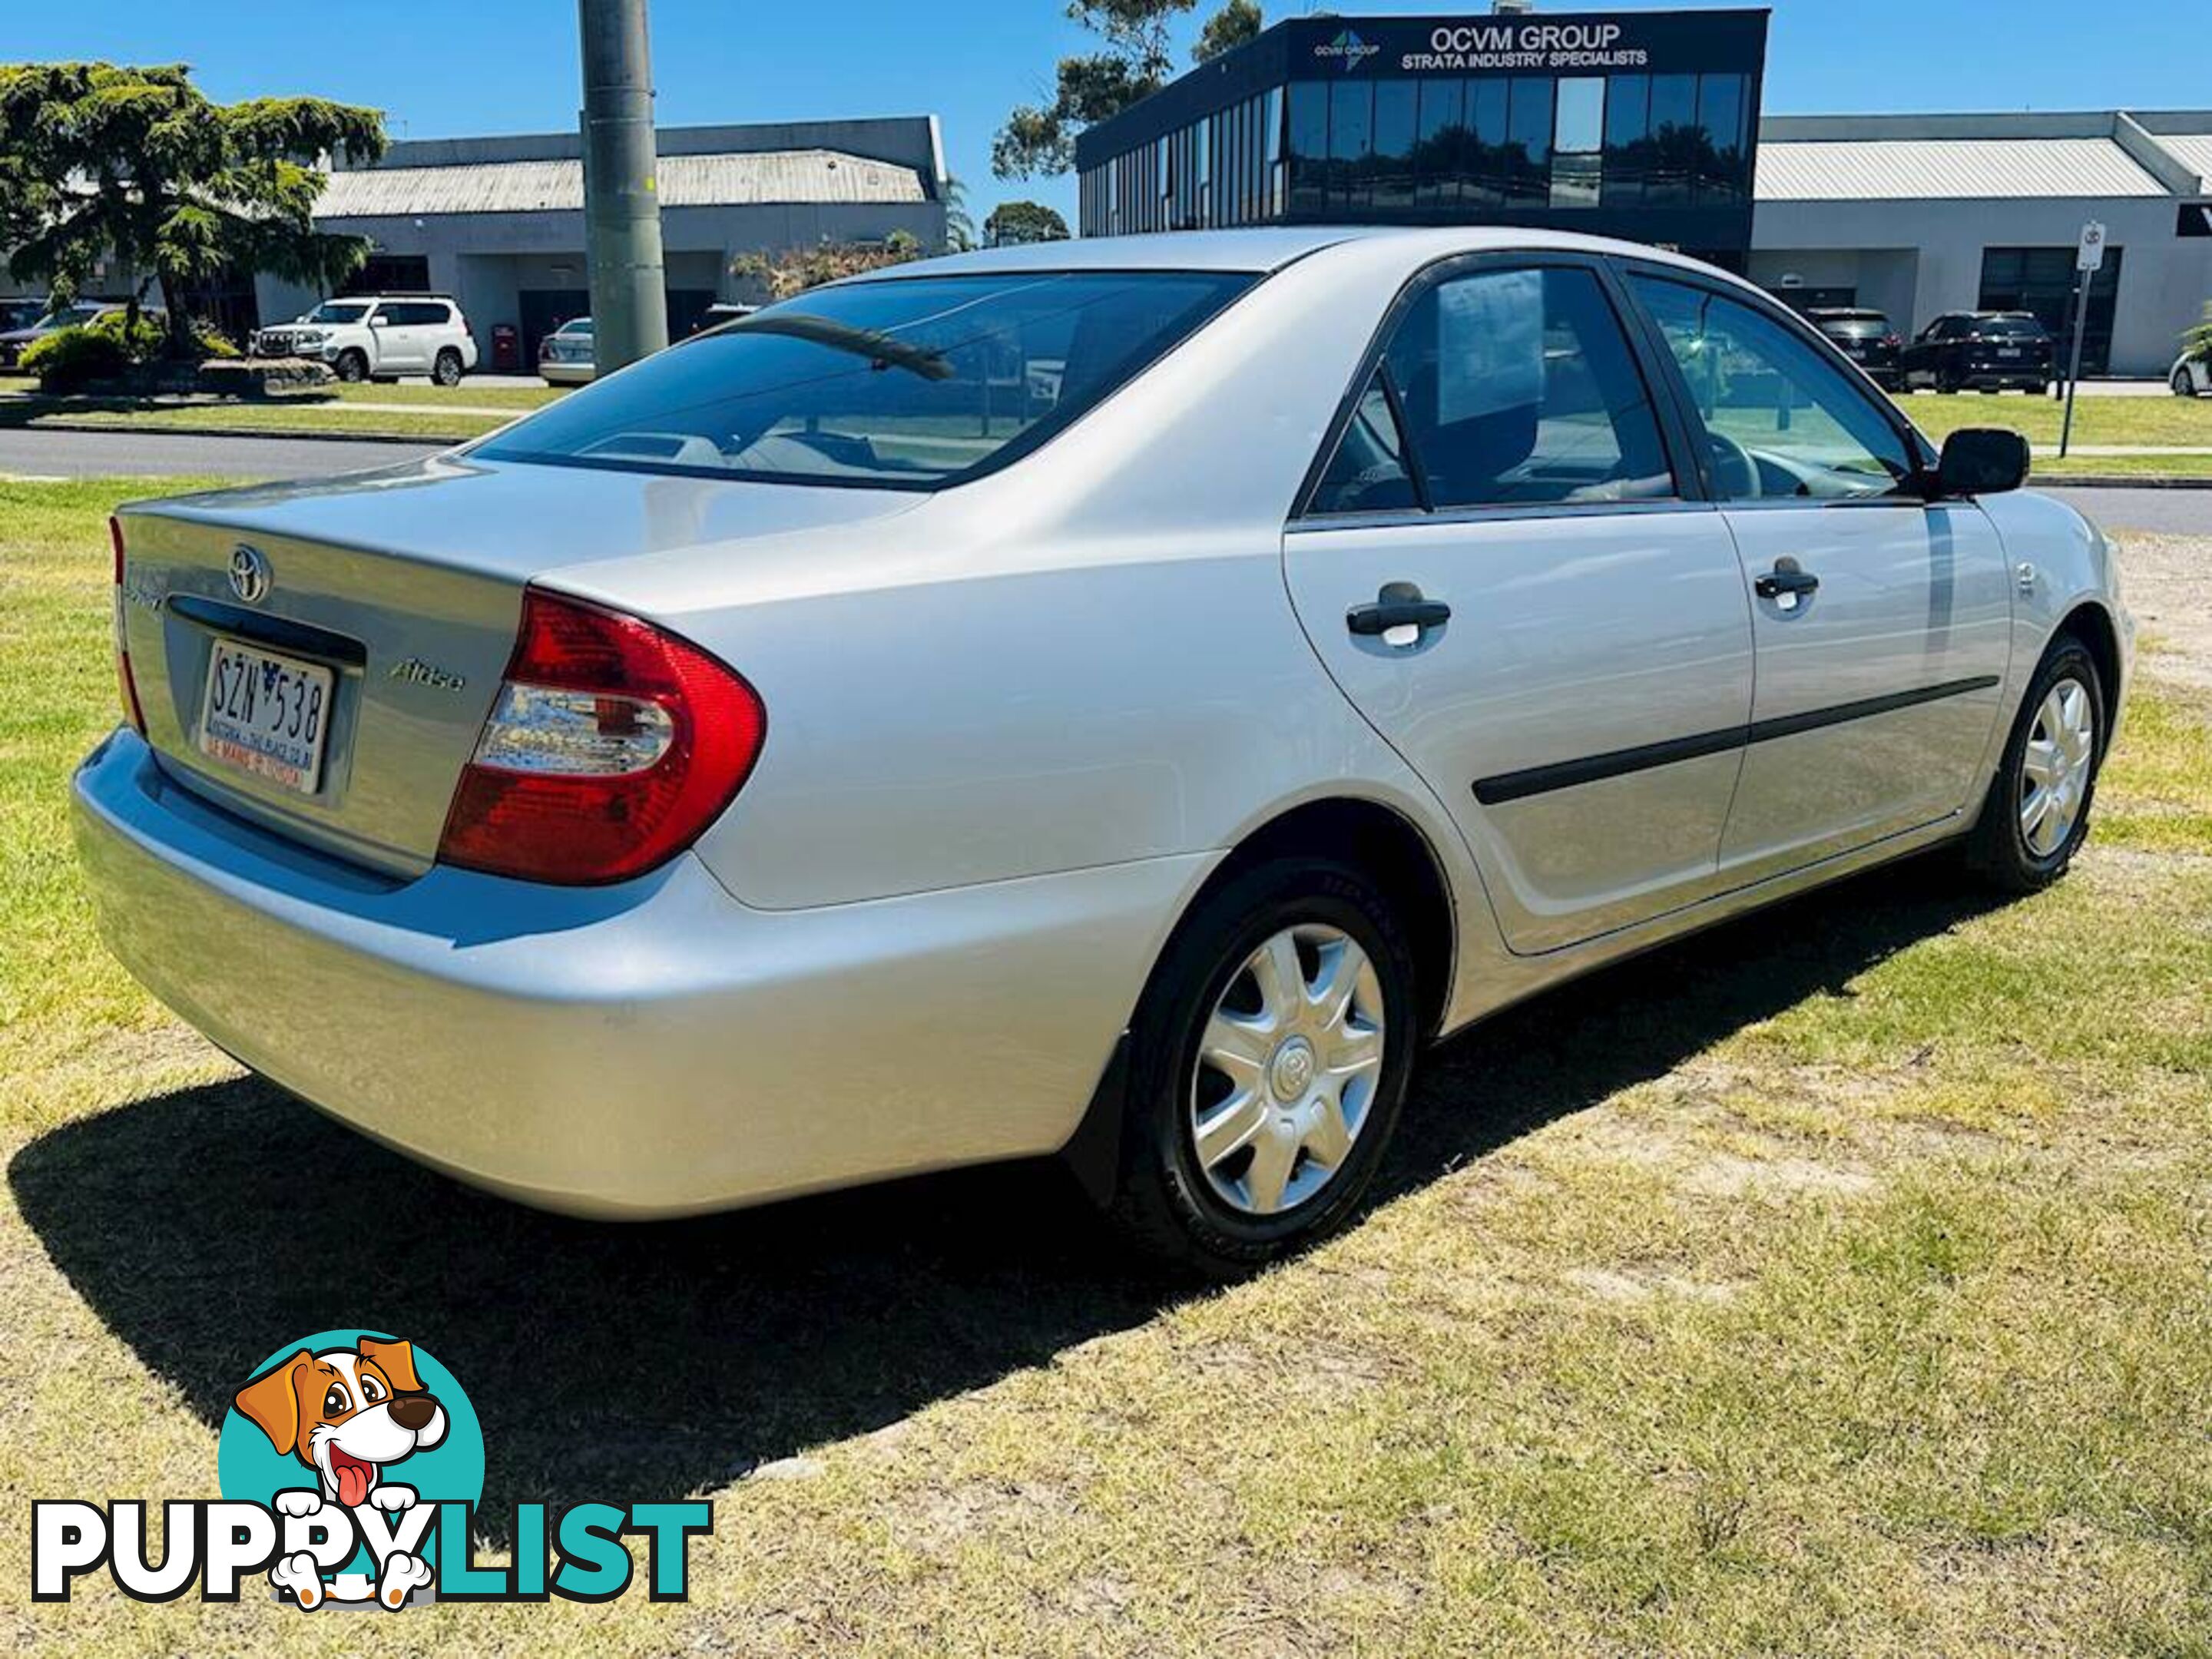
x: 883, y: 350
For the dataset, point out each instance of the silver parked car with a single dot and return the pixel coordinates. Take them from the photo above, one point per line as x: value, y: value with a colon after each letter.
x: 567, y: 356
x: 834, y: 749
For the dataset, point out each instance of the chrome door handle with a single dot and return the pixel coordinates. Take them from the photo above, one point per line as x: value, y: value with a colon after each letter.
x: 1400, y: 604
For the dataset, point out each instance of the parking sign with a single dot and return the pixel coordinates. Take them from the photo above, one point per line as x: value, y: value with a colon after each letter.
x: 2092, y: 256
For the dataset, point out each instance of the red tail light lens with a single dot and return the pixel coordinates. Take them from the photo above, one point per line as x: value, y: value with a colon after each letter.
x: 612, y: 746
x: 126, y: 686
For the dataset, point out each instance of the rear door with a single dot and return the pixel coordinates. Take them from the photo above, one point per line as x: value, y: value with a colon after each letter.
x: 1499, y: 567
x: 1882, y: 624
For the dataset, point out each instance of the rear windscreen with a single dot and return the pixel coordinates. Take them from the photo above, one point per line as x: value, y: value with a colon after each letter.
x: 1856, y: 328
x: 911, y: 383
x: 2010, y: 328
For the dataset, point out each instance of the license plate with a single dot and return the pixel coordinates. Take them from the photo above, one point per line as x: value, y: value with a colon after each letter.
x: 267, y: 714
x: 2009, y: 352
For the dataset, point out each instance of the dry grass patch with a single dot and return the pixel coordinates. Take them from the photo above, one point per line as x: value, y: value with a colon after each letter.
x: 1834, y: 1283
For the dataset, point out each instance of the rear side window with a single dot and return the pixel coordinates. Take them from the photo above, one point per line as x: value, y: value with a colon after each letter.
x: 906, y: 382
x: 1518, y: 388
x: 1369, y: 472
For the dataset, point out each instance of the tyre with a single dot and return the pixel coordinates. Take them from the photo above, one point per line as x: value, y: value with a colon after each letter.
x: 1269, y: 1062
x: 352, y: 367
x: 1948, y: 382
x: 2036, y: 814
x: 446, y: 370
x: 2184, y: 386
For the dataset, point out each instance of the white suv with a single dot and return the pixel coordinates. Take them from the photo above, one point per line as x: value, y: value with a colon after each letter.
x: 368, y: 336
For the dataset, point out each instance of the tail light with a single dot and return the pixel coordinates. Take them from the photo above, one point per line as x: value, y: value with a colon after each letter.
x: 1892, y: 341
x: 612, y: 745
x: 125, y: 685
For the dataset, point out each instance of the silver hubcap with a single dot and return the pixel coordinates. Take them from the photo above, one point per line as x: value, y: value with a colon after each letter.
x: 1287, y: 1069
x: 2056, y: 771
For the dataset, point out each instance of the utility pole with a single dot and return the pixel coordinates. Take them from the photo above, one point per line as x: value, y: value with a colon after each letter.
x: 622, y: 197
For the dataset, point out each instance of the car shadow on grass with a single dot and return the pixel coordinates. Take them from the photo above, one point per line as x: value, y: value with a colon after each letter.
x: 210, y: 1226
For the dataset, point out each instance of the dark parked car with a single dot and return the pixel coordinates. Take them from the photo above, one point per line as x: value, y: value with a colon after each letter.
x: 1988, y: 351
x: 18, y: 338
x: 1866, y: 339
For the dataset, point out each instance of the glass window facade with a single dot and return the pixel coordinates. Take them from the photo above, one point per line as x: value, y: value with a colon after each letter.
x: 1643, y: 125
x: 1434, y: 148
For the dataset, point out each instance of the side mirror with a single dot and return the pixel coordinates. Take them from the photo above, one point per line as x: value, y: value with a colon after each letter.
x: 1981, y: 461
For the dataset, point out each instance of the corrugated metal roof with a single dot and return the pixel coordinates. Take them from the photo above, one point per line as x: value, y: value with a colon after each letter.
x: 2192, y: 149
x: 723, y: 180
x: 1956, y: 169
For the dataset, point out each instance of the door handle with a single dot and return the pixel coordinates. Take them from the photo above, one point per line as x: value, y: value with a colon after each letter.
x: 1400, y: 604
x: 1787, y: 577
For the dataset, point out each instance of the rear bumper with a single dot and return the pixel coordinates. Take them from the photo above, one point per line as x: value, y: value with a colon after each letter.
x: 560, y: 373
x: 651, y: 1049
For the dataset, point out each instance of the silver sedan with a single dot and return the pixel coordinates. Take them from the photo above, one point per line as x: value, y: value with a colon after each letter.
x: 1123, y: 699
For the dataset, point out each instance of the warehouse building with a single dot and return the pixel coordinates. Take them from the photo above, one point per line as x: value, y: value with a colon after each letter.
x: 1918, y: 214
x: 1648, y: 125
x: 498, y: 224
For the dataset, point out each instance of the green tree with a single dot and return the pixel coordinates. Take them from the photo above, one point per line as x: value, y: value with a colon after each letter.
x: 1012, y: 223
x: 959, y: 222
x: 1135, y: 60
x: 1227, y: 29
x: 99, y: 161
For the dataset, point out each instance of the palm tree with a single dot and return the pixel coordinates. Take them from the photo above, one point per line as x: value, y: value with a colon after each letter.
x: 959, y: 223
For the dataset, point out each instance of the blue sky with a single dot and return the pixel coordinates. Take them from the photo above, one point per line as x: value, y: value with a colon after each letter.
x: 510, y: 66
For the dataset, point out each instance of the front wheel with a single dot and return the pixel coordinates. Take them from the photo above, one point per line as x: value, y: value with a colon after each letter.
x: 1269, y: 1058
x: 352, y: 367
x: 2036, y: 814
x: 2184, y: 385
x: 446, y: 371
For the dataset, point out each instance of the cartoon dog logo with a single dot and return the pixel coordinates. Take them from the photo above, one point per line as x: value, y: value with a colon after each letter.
x: 348, y: 1415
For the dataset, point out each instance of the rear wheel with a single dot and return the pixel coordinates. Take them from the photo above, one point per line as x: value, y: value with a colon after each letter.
x: 2184, y: 385
x: 2037, y: 815
x: 352, y: 367
x: 446, y: 371
x: 1269, y: 1058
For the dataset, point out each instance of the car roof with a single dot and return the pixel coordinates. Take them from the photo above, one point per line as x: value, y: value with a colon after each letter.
x: 1259, y: 250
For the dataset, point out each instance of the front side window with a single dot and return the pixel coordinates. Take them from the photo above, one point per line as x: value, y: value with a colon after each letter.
x: 912, y: 382
x: 1781, y: 421
x: 1519, y: 388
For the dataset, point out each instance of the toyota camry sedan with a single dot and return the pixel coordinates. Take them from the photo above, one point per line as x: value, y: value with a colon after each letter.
x: 1121, y: 699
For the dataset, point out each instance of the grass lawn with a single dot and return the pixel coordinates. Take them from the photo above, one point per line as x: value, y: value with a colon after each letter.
x: 2155, y: 423
x: 306, y: 418
x: 469, y: 393
x: 1834, y: 1283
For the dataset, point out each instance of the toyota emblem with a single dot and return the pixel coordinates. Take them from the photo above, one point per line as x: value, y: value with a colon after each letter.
x: 250, y: 576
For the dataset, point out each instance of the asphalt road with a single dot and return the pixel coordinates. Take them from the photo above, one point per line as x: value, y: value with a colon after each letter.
x: 108, y: 454
x: 2153, y: 512
x: 97, y: 454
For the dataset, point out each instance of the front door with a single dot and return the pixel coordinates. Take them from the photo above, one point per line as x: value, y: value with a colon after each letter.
x: 1883, y: 624
x: 1499, y: 569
